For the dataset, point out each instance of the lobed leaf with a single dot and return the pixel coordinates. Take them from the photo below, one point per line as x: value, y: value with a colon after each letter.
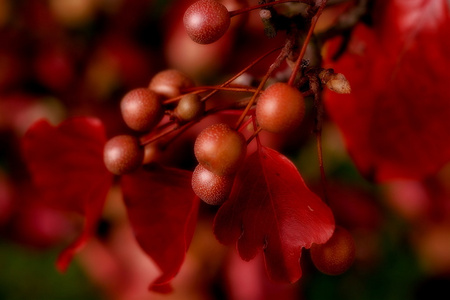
x: 162, y: 209
x: 66, y: 165
x: 396, y: 120
x: 270, y: 208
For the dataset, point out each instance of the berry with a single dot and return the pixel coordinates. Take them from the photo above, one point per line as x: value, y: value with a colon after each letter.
x: 336, y: 255
x: 168, y: 83
x: 211, y: 188
x: 206, y: 21
x: 280, y: 108
x: 189, y: 108
x: 220, y: 149
x: 141, y: 109
x: 123, y: 154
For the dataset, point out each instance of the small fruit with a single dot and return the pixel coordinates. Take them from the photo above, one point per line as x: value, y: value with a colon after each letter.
x: 123, y: 154
x: 336, y: 255
x: 220, y: 149
x: 169, y: 83
x: 141, y: 109
x: 206, y: 21
x: 211, y: 188
x: 280, y: 108
x: 189, y: 108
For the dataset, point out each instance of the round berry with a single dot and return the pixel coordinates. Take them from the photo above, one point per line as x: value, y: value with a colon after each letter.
x: 280, y: 108
x: 189, y: 108
x: 141, y: 109
x: 211, y: 188
x: 168, y: 83
x: 123, y: 154
x: 220, y: 149
x: 206, y: 21
x: 336, y: 255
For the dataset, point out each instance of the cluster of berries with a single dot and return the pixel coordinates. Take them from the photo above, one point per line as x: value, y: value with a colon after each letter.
x: 220, y: 149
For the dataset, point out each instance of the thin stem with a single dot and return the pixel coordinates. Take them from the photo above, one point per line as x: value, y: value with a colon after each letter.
x: 201, y: 89
x: 257, y: 60
x: 319, y: 110
x: 305, y: 43
x: 240, y: 104
x: 175, y: 99
x: 245, y: 124
x: 253, y: 99
x: 180, y: 131
x: 149, y: 138
x: 227, y: 88
x: 321, y: 167
x: 283, y: 54
x: 198, y: 90
x: 264, y: 5
x: 255, y: 134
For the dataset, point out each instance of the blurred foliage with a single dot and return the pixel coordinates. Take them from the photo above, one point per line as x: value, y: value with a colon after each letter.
x: 31, y: 274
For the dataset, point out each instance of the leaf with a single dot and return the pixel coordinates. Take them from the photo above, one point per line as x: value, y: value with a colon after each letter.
x: 271, y: 208
x: 66, y: 165
x: 396, y: 120
x: 162, y: 209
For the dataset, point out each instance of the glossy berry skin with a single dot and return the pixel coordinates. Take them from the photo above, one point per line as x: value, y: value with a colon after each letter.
x: 206, y: 21
x: 141, y: 109
x: 220, y: 149
x: 169, y: 83
x: 189, y: 108
x: 280, y: 108
x: 211, y: 188
x: 336, y: 255
x: 123, y: 154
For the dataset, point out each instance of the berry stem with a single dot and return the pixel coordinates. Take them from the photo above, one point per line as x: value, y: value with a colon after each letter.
x: 223, y: 88
x: 315, y: 88
x: 198, y: 90
x: 226, y: 83
x: 283, y: 54
x: 264, y: 5
x: 179, y: 130
x: 255, y: 134
x: 175, y: 99
x: 321, y: 167
x: 298, y: 63
x: 253, y: 99
x: 239, y: 104
x: 149, y: 138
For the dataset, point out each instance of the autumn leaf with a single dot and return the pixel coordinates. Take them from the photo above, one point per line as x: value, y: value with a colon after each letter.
x: 162, y: 209
x: 66, y: 165
x: 271, y: 209
x: 396, y: 120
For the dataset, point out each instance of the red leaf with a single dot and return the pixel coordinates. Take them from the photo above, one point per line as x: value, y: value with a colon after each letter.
x: 66, y: 165
x: 162, y: 209
x: 396, y: 120
x: 271, y: 208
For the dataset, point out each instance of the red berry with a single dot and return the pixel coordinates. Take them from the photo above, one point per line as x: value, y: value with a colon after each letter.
x: 169, y: 83
x: 141, y: 109
x: 336, y: 255
x: 206, y: 21
x: 280, y: 108
x: 220, y: 149
x: 123, y: 154
x: 189, y: 108
x: 211, y: 188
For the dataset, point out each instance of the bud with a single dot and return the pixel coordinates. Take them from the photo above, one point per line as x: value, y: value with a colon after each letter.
x: 336, y: 82
x: 269, y: 27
